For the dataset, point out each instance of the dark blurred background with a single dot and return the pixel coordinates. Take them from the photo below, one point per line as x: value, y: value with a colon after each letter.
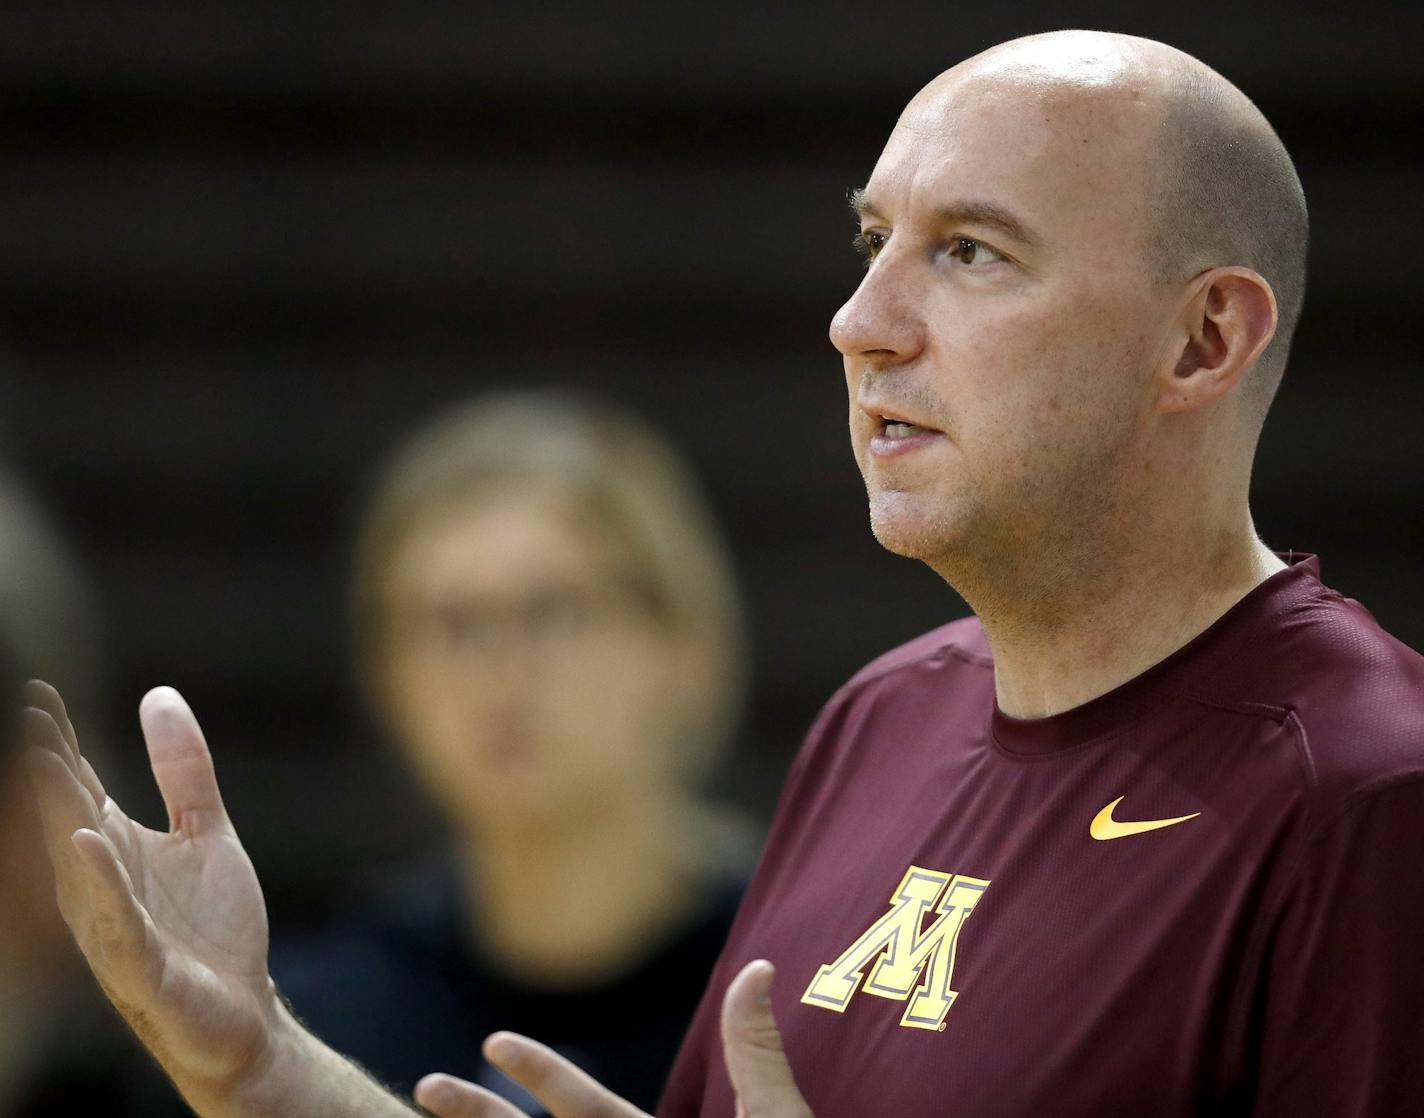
x: 242, y: 252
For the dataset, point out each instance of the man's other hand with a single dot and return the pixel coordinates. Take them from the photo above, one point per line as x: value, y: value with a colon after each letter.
x: 172, y: 923
x: 751, y: 1043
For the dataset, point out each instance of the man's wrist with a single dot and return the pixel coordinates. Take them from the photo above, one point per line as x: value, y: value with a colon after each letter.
x: 252, y: 1086
x: 296, y: 1075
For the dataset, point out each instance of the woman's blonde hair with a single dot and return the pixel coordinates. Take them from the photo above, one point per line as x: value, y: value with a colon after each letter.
x: 48, y: 618
x: 616, y: 471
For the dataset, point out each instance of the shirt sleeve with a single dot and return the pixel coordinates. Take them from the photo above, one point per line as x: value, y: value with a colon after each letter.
x: 699, y: 1066
x: 1340, y: 1017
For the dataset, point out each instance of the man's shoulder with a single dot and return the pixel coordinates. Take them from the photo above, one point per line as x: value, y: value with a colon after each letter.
x: 948, y: 669
x: 960, y: 642
x: 1354, y: 691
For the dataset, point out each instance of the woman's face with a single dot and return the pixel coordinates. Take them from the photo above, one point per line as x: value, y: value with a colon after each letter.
x: 527, y: 679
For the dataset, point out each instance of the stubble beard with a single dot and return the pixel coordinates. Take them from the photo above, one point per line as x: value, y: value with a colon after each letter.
x: 1022, y: 547
x: 917, y: 526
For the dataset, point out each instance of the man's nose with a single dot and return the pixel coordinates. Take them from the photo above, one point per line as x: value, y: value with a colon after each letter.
x: 879, y: 320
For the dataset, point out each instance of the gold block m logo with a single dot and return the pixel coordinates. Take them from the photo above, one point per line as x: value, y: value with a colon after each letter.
x: 910, y: 961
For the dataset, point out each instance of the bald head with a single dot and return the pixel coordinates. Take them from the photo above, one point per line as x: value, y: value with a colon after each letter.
x: 1225, y: 192
x: 1085, y: 258
x: 1219, y: 188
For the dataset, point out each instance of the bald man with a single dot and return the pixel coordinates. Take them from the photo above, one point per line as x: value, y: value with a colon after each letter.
x: 1146, y: 836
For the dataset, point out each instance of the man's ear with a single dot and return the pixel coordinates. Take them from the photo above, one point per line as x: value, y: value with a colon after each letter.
x: 1226, y: 324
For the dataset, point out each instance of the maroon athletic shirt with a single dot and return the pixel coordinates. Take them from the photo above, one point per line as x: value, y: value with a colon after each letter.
x: 1200, y: 893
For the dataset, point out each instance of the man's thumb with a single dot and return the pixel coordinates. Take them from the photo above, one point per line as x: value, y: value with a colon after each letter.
x: 751, y: 1042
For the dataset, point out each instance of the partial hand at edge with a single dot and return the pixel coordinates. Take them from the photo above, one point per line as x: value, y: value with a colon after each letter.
x: 751, y: 1044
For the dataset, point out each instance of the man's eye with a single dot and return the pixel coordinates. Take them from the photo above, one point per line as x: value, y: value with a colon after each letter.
x: 869, y: 242
x: 969, y: 251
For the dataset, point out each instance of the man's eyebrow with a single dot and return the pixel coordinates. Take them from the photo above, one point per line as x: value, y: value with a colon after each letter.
x: 968, y: 211
x: 860, y: 203
x: 972, y: 212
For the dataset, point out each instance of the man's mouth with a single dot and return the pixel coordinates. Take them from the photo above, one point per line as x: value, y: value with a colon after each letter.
x: 895, y: 430
x: 894, y: 435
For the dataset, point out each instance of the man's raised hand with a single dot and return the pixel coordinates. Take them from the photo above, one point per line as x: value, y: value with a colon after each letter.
x: 751, y: 1044
x: 172, y: 923
x: 175, y: 929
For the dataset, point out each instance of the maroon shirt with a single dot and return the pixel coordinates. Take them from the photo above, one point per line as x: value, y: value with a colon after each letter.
x: 951, y: 937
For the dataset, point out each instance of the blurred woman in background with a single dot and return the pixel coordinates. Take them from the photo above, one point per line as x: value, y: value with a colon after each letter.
x: 546, y: 623
x: 60, y: 1046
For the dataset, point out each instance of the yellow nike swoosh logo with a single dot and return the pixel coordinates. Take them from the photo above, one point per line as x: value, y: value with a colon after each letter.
x: 1105, y: 827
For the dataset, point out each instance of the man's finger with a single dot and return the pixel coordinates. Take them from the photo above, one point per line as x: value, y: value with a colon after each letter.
x: 65, y: 805
x: 448, y: 1097
x: 567, y: 1091
x: 181, y: 762
x: 42, y: 731
x: 751, y: 1043
x: 90, y: 779
x: 41, y: 695
x: 120, y: 925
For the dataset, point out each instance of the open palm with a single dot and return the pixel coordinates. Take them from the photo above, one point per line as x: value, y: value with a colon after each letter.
x: 175, y: 929
x: 172, y: 923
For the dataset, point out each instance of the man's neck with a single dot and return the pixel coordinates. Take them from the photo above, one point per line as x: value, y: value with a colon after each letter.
x: 1096, y: 633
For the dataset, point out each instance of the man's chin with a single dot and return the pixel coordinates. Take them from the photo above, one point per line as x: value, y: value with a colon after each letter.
x: 903, y: 527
